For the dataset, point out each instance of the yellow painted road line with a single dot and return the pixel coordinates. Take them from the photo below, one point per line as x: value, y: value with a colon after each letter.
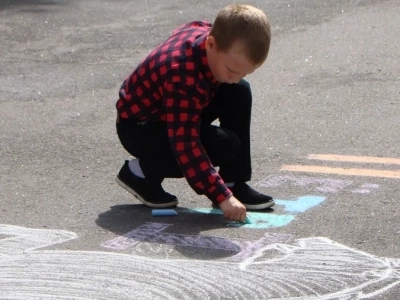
x: 342, y: 171
x: 358, y: 159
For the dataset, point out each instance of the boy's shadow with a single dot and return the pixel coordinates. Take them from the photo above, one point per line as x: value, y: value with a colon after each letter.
x: 183, y: 231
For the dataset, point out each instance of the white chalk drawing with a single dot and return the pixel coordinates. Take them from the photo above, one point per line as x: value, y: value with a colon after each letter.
x: 321, y: 184
x: 310, y: 268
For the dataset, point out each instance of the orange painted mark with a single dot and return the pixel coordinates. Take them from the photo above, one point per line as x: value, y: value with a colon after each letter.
x: 357, y: 159
x: 342, y: 171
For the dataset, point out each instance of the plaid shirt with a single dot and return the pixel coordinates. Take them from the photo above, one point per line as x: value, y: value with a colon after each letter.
x: 173, y: 84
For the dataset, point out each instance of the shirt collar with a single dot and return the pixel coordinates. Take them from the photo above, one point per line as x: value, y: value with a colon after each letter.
x: 199, y: 47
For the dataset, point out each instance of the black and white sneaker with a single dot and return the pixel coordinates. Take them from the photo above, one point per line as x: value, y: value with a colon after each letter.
x: 149, y: 193
x: 250, y: 198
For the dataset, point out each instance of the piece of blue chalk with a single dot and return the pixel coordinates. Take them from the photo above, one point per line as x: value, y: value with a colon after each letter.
x: 163, y: 212
x: 248, y: 220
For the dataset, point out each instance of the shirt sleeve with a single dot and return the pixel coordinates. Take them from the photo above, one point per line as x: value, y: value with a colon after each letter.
x: 183, y: 105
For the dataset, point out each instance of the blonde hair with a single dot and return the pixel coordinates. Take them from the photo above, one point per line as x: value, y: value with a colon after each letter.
x: 247, y: 25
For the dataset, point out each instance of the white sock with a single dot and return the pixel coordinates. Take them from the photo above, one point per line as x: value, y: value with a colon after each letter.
x: 135, y: 167
x: 229, y: 184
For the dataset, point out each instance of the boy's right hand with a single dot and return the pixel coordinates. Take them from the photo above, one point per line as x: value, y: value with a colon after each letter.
x: 233, y: 209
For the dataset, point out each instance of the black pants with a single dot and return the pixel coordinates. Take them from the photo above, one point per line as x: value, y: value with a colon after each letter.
x: 228, y: 145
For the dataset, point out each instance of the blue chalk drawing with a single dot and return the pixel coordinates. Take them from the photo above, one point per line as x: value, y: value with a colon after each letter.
x: 301, y: 204
x: 258, y: 220
x: 264, y: 220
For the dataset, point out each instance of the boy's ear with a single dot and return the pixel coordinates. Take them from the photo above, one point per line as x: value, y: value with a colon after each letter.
x: 210, y: 43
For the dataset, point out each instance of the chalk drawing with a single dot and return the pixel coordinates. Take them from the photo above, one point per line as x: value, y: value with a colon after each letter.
x: 262, y: 220
x: 258, y: 220
x: 323, y: 185
x: 366, y: 188
x: 250, y: 248
x: 27, y: 239
x: 310, y: 268
x: 152, y: 233
x: 301, y: 204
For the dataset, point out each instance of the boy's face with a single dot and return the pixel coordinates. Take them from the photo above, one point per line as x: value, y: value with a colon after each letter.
x: 228, y: 67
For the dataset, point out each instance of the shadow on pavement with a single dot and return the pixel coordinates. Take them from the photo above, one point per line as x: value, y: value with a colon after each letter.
x: 121, y: 219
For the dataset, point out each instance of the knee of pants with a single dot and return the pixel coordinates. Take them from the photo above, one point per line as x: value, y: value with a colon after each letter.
x: 228, y: 148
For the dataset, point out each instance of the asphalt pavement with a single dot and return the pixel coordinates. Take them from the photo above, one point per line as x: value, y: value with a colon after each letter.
x: 325, y: 145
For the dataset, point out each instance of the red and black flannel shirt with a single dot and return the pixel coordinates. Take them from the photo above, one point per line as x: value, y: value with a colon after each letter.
x: 173, y: 84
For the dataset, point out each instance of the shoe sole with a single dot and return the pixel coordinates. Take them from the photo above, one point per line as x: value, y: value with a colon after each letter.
x: 260, y: 206
x: 137, y: 195
x: 253, y: 207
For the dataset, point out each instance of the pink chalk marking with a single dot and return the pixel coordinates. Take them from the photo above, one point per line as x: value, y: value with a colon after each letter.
x: 152, y: 232
x: 251, y: 247
x: 324, y: 185
x: 128, y: 240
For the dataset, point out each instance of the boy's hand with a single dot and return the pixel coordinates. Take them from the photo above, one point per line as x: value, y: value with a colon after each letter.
x: 233, y: 209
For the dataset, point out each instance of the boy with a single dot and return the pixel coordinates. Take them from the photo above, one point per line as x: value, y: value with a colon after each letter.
x: 166, y: 107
